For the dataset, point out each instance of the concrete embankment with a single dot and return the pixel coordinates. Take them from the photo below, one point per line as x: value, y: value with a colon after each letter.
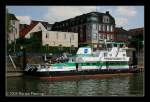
x: 12, y: 71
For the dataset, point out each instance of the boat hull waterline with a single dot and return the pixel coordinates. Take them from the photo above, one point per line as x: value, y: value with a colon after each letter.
x: 60, y: 75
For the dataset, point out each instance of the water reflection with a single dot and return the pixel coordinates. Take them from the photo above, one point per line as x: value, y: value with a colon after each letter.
x: 114, y: 86
x: 136, y: 84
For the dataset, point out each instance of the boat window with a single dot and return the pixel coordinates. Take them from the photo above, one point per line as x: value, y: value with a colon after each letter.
x: 109, y: 46
x: 121, y: 45
x: 84, y: 64
x: 88, y: 63
x: 115, y: 45
x: 105, y: 54
x: 93, y: 63
x: 94, y: 49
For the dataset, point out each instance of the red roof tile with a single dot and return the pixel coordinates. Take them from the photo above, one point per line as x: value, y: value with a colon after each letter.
x: 27, y: 29
x: 135, y: 31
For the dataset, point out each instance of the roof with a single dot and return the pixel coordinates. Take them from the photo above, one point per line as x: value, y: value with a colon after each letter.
x: 120, y: 30
x: 136, y: 31
x: 99, y: 14
x: 45, y: 24
x: 33, y: 23
x: 27, y: 29
x: 12, y: 16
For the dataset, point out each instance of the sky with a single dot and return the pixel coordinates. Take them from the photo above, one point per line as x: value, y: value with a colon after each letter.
x: 128, y: 17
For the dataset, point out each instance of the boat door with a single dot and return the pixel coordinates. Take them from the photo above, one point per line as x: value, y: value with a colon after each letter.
x: 77, y: 65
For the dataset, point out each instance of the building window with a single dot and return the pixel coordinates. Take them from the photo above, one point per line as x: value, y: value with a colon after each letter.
x: 88, y: 26
x: 106, y: 19
x: 94, y: 26
x: 104, y: 36
x: 73, y: 37
x: 57, y: 36
x: 111, y: 37
x: 70, y: 39
x: 107, y: 28
x: 89, y: 36
x: 99, y: 27
x: 108, y: 37
x: 81, y: 36
x: 65, y: 36
x: 103, y: 27
x: 101, y: 36
x: 93, y: 19
x: 111, y: 29
x: 94, y: 36
x: 13, y: 22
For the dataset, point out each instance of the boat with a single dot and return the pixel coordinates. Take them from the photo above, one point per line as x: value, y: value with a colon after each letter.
x: 111, y: 59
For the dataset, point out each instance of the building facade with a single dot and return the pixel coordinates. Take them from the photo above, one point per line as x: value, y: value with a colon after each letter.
x: 50, y: 38
x: 92, y: 28
x: 121, y: 35
x: 63, y: 39
x: 137, y: 35
x: 14, y: 29
x: 135, y: 32
x: 29, y: 30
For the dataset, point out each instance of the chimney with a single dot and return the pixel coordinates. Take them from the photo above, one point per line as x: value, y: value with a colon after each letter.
x: 107, y: 12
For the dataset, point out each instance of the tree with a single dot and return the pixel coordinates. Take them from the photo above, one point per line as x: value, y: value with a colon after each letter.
x: 7, y: 24
x: 137, y: 41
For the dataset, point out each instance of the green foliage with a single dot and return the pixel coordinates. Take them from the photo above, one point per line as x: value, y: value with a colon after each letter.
x: 7, y: 23
x: 34, y: 45
x: 136, y: 41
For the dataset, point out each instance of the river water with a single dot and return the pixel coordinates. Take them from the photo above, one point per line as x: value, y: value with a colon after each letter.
x: 128, y: 85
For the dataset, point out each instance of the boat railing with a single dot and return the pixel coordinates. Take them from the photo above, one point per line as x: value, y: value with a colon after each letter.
x: 40, y: 66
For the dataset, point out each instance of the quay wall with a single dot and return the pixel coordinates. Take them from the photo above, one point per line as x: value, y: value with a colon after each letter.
x: 18, y: 71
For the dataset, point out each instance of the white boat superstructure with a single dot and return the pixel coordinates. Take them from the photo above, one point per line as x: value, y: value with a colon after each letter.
x: 114, y: 57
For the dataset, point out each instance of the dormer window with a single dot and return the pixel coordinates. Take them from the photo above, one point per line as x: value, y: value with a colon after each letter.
x: 105, y: 19
x: 65, y: 36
